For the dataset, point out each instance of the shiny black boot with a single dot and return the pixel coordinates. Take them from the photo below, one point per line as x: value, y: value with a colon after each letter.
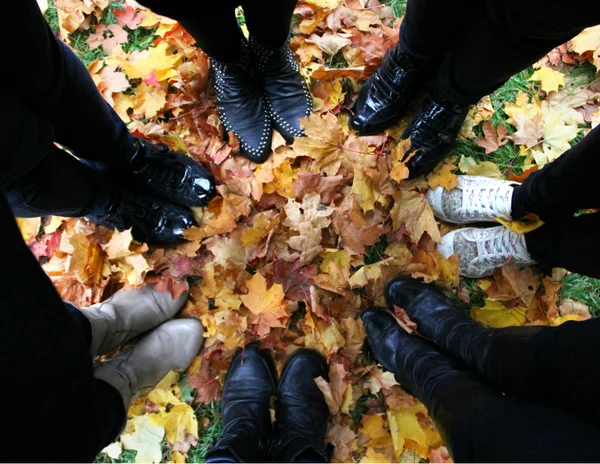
x: 247, y: 429
x: 432, y: 133
x: 242, y: 106
x: 383, y: 99
x: 152, y: 219
x: 287, y: 95
x: 302, y: 413
x: 172, y: 175
x: 448, y: 389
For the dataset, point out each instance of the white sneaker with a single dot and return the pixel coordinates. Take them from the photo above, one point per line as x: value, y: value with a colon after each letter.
x: 127, y: 314
x: 476, y: 199
x: 136, y: 371
x: 480, y: 251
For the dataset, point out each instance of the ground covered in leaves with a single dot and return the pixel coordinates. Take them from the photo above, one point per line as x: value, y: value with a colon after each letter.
x: 291, y: 250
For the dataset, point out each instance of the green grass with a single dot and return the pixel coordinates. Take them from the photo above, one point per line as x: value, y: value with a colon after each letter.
x: 209, y: 433
x: 374, y: 253
x: 51, y: 16
x: 399, y: 6
x: 583, y: 289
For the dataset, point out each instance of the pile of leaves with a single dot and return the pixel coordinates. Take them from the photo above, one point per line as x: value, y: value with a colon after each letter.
x: 290, y: 251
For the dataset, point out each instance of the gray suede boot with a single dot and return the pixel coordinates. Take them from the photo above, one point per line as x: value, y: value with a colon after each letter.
x: 136, y: 371
x: 128, y: 314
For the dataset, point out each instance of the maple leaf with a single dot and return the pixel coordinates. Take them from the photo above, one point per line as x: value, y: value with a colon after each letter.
x: 495, y: 314
x: 128, y: 17
x: 358, y: 230
x: 334, y: 390
x: 335, y: 270
x: 145, y: 439
x: 149, y: 100
x: 412, y: 211
x: 588, y: 43
x: 550, y: 80
x: 141, y: 65
x: 373, y: 426
x: 267, y: 306
x: 493, y: 138
x: 330, y: 42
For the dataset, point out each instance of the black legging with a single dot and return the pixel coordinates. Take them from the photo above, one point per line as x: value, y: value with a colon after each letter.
x: 215, y: 28
x: 479, y: 44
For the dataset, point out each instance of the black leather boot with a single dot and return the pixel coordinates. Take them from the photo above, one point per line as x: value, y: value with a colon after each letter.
x: 247, y: 429
x: 492, y: 352
x: 385, y: 96
x: 172, y: 175
x: 432, y: 133
x: 449, y: 390
x: 302, y: 413
x: 152, y: 219
x: 242, y: 107
x: 287, y: 95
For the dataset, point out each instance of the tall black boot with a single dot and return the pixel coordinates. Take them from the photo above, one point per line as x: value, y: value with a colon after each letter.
x: 172, y: 175
x: 448, y: 389
x: 385, y: 96
x: 489, y: 351
x: 432, y: 133
x: 152, y: 219
x: 302, y: 413
x: 247, y: 429
x: 242, y: 106
x: 287, y: 95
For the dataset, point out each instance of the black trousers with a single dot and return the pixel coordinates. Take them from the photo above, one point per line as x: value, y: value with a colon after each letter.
x: 531, y: 398
x: 46, y: 366
x: 479, y: 44
x: 215, y: 28
x: 48, y: 96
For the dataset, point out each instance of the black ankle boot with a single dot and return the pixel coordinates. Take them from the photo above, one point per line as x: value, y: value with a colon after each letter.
x: 287, y: 95
x: 152, y: 219
x: 432, y: 133
x: 247, y: 430
x: 242, y: 107
x: 172, y: 175
x: 302, y: 413
x: 385, y: 96
x: 447, y: 388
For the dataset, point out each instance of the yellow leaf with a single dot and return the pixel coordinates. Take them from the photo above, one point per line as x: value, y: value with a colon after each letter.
x: 141, y: 65
x: 267, y: 305
x: 149, y: 100
x: 442, y: 176
x: 283, y: 181
x: 412, y: 211
x: 373, y: 426
x: 588, y: 41
x: 118, y: 245
x: 330, y: 4
x: 336, y: 271
x: 373, y: 456
x: 137, y: 271
x: 399, y: 170
x: 522, y: 226
x: 177, y: 423
x: 404, y: 425
x: 485, y: 169
x: 146, y: 440
x: 29, y: 227
x: 494, y: 314
x: 550, y: 80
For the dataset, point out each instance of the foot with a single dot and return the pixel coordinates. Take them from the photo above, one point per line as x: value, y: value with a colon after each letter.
x: 152, y: 219
x: 249, y: 387
x: 172, y: 175
x: 128, y: 314
x: 476, y: 199
x: 136, y: 371
x: 481, y: 251
x: 302, y: 413
x: 242, y: 107
x: 385, y: 96
x: 287, y: 95
x: 432, y: 133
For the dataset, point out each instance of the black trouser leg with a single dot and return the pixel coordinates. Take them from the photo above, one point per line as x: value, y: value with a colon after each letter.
x: 269, y: 21
x: 565, y: 185
x: 53, y: 82
x: 431, y: 27
x: 78, y: 414
x: 568, y: 243
x: 546, y: 365
x: 512, y: 35
x: 212, y: 24
x: 60, y: 185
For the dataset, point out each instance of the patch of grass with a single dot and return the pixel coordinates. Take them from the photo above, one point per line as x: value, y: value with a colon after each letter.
x: 584, y: 289
x: 338, y: 61
x: 209, y: 414
x: 399, y: 6
x: 374, y: 253
x: 139, y: 39
x: 51, y: 16
x: 360, y: 409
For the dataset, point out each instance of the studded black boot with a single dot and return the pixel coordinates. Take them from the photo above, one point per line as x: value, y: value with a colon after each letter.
x: 153, y: 220
x: 173, y: 175
x: 247, y: 429
x: 385, y: 96
x: 287, y: 95
x: 242, y: 106
x: 432, y: 133
x: 302, y: 413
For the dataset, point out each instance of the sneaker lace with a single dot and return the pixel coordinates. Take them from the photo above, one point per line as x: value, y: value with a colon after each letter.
x: 486, y: 200
x: 501, y: 244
